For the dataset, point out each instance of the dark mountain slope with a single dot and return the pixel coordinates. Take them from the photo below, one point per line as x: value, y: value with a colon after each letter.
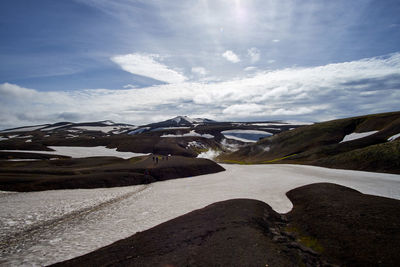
x: 322, y: 144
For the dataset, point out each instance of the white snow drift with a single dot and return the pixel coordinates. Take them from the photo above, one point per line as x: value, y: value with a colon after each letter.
x: 394, y: 137
x: 97, y: 217
x: 355, y: 136
x: 83, y: 152
x: 246, y: 136
x: 191, y: 133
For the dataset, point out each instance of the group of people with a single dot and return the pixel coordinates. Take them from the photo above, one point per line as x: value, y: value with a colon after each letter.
x: 156, y: 158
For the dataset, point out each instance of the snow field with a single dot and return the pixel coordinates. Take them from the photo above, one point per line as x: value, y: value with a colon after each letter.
x: 138, y: 208
x: 83, y: 152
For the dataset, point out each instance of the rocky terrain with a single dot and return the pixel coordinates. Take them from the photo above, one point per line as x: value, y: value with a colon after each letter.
x: 330, y: 225
x: 182, y: 136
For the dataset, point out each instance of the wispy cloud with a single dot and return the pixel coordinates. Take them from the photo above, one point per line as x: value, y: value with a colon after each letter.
x: 148, y: 65
x: 314, y: 94
x: 199, y: 71
x: 231, y: 56
x: 250, y: 68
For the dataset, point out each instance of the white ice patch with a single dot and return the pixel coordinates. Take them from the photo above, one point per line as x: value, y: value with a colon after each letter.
x: 104, y: 129
x: 83, y: 152
x: 25, y: 136
x: 56, y: 127
x: 108, y: 122
x: 394, y: 137
x: 28, y: 141
x: 210, y: 154
x: 247, y: 136
x: 191, y: 133
x: 3, y: 138
x: 355, y: 136
x: 138, y: 208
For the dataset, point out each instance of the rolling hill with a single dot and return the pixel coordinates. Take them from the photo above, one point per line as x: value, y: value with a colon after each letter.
x: 367, y: 143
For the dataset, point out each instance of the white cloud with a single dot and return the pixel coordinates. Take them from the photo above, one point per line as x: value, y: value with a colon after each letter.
x: 147, y: 65
x: 230, y: 56
x: 250, y: 68
x: 365, y: 86
x: 254, y: 54
x: 14, y: 92
x: 199, y: 71
x: 130, y: 86
x: 276, y: 41
x: 271, y: 61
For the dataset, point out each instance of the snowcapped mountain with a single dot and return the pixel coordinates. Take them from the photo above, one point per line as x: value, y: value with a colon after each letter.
x: 100, y: 126
x: 180, y: 121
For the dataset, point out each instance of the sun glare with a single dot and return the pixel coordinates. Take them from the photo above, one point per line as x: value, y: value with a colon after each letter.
x: 240, y: 11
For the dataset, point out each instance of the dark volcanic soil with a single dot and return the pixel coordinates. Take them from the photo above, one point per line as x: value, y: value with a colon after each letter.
x: 351, y: 229
x: 230, y: 233
x: 96, y: 172
x: 329, y: 223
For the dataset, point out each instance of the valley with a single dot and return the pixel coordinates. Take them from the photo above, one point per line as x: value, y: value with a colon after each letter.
x: 72, y: 188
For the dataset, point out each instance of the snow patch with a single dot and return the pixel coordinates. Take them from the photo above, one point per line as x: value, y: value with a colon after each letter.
x: 104, y: 129
x: 196, y: 145
x: 83, y: 152
x: 247, y: 136
x: 25, y: 136
x: 169, y: 128
x: 150, y: 205
x: 56, y: 127
x: 394, y: 137
x: 239, y: 138
x: 191, y: 133
x: 108, y: 122
x: 355, y: 136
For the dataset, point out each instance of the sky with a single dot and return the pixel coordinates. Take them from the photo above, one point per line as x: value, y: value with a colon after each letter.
x: 141, y: 61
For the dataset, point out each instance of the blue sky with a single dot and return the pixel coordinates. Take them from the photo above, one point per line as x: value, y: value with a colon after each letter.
x: 143, y: 61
